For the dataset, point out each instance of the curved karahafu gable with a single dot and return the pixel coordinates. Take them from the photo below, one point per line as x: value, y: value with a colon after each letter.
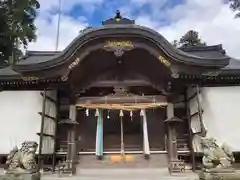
x: 138, y: 36
x: 142, y: 49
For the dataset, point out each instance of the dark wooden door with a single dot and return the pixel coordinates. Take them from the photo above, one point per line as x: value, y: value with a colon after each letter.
x: 156, y: 129
x: 86, y: 131
x: 111, y: 131
x: 132, y: 132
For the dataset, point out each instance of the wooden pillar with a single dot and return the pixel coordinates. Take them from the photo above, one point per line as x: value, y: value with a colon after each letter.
x: 190, y: 131
x: 175, y: 165
x: 71, y: 153
x: 99, y: 135
x: 41, y: 132
x: 172, y: 137
x: 74, y: 148
x: 55, y: 133
x: 146, y: 148
x: 122, y: 138
x: 71, y: 156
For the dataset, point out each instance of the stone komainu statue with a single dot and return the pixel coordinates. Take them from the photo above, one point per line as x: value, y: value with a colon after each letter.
x: 22, y: 160
x: 214, y: 156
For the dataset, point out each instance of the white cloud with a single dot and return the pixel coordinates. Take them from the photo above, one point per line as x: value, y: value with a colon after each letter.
x: 212, y: 19
x: 156, y: 3
x: 47, y: 32
x: 47, y: 5
x: 46, y: 23
x: 146, y: 21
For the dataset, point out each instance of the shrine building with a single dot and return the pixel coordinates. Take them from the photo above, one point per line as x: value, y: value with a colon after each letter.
x: 121, y: 90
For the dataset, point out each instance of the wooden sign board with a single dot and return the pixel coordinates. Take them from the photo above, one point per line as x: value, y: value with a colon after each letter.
x: 176, y: 166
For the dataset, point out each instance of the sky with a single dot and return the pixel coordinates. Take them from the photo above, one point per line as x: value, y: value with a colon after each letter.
x: 213, y: 20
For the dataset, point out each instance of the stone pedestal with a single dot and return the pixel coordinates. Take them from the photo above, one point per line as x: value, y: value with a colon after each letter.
x: 231, y: 175
x: 34, y: 176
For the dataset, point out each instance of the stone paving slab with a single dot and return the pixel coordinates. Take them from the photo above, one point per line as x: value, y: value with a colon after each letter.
x: 122, y: 174
x: 126, y: 174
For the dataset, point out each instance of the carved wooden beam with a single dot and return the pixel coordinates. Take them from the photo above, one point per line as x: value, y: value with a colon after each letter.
x: 121, y: 99
x: 121, y: 83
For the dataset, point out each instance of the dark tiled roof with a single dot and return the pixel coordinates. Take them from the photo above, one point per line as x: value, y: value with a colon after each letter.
x: 35, y: 57
x: 234, y: 64
x: 215, y: 52
x: 206, y: 51
x: 51, y: 60
x: 205, y: 56
x: 8, y: 71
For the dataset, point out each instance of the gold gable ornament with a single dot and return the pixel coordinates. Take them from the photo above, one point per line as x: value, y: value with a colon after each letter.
x: 118, y: 47
x: 118, y: 19
x: 74, y: 63
x: 118, y: 16
x: 29, y: 78
x: 115, y: 44
x: 164, y: 61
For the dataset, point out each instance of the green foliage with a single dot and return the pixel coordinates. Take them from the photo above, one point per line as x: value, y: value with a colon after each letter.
x: 235, y: 6
x: 16, y: 27
x: 175, y: 43
x: 191, y: 38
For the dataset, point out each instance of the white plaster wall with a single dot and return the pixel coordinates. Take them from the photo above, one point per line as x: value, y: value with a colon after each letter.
x: 221, y: 115
x: 19, y: 118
